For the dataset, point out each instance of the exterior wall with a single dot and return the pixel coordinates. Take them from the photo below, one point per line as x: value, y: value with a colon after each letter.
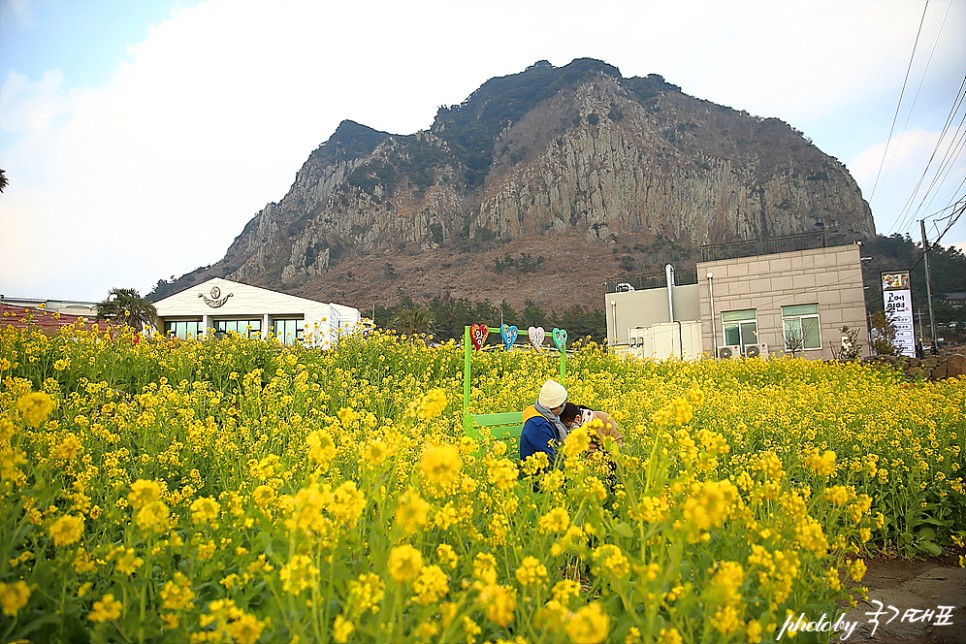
x: 638, y: 309
x: 48, y: 321
x: 71, y: 307
x: 220, y: 299
x: 828, y: 277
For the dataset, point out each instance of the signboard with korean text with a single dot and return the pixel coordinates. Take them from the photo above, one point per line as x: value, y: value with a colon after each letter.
x: 897, y: 299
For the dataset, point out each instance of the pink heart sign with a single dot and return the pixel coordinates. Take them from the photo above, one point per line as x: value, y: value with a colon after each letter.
x: 478, y: 334
x: 537, y: 336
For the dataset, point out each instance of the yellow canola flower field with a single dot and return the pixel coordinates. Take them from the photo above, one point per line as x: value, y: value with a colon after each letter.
x: 236, y: 490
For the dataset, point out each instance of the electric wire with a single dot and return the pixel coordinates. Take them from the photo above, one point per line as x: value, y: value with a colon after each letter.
x: 915, y: 98
x: 895, y: 117
x: 906, y: 216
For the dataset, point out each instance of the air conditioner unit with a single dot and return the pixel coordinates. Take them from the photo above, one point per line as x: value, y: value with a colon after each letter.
x: 756, y: 351
x: 729, y: 351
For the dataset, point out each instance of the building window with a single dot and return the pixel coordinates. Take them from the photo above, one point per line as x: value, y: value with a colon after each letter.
x: 800, y: 327
x: 288, y: 331
x: 740, y: 327
x: 183, y: 329
x: 246, y: 328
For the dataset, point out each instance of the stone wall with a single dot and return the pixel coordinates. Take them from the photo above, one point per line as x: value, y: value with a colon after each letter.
x: 949, y: 365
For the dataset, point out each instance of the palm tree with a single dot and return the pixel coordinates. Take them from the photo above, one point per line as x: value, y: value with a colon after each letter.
x: 126, y: 306
x: 414, y: 321
x: 3, y: 179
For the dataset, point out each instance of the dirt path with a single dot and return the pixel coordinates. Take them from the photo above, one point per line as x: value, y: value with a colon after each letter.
x: 907, y: 585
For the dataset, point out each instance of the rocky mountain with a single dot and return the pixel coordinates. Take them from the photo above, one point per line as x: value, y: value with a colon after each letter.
x: 540, y: 185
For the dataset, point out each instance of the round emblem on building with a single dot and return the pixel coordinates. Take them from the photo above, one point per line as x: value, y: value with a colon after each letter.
x: 215, y: 292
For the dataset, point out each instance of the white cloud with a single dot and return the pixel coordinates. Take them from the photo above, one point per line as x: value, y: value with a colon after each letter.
x: 32, y: 107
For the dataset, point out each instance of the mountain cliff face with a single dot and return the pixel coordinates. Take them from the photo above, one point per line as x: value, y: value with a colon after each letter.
x: 555, y: 164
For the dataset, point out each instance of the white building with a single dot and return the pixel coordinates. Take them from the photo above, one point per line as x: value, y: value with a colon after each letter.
x: 223, y: 306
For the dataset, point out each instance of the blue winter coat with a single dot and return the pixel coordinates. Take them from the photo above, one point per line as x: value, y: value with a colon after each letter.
x: 538, y: 435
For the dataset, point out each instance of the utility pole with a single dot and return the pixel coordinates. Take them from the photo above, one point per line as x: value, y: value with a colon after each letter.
x: 934, y: 348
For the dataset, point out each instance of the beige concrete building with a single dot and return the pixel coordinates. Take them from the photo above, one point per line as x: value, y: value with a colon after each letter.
x: 789, y: 303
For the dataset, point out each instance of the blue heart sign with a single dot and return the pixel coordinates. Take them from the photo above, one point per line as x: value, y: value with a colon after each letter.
x: 509, y: 334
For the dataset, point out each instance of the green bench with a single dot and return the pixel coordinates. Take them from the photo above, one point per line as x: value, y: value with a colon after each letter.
x: 506, y: 424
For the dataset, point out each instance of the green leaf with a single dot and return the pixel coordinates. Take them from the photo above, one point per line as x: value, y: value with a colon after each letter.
x: 926, y: 534
x: 623, y: 530
x: 929, y: 548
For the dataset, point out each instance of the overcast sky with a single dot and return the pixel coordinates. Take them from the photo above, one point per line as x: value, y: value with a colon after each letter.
x: 140, y: 136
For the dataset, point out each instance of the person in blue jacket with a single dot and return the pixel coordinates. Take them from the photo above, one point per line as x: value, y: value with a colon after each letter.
x: 542, y: 429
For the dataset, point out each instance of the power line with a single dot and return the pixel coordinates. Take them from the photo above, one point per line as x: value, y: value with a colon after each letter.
x: 952, y: 152
x: 901, y: 93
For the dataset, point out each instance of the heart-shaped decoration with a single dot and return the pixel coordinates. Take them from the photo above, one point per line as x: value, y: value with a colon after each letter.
x: 509, y: 334
x: 478, y: 334
x: 560, y: 339
x: 537, y: 336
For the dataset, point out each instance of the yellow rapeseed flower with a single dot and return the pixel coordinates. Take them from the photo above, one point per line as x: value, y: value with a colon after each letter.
x: 13, y: 597
x: 106, y: 609
x: 588, y: 625
x: 67, y: 530
x: 245, y: 629
x: 447, y: 556
x: 153, y: 517
x: 128, y: 562
x: 67, y: 449
x: 710, y: 504
x: 669, y: 636
x: 810, y: 536
x: 347, y: 504
x: 298, y: 574
x: 441, y: 465
x: 554, y: 521
x: 10, y: 461
x: 144, y: 492
x: 322, y: 447
x: 499, y: 602
x: 430, y: 405
x: 263, y: 496
x: 412, y: 512
x: 823, y: 465
x: 204, y: 510
x: 35, y: 407
x: 431, y: 585
x: 405, y: 563
x: 176, y: 594
x: 502, y: 473
x: 576, y: 443
x: 609, y: 559
x: 342, y: 629
x: 531, y: 572
x: 365, y: 593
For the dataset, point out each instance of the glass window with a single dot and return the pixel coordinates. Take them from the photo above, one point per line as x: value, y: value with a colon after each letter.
x: 800, y: 327
x: 183, y: 329
x: 740, y: 327
x: 288, y: 331
x: 246, y: 328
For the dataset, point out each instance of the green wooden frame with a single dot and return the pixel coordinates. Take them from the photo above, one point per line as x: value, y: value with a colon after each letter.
x: 506, y: 424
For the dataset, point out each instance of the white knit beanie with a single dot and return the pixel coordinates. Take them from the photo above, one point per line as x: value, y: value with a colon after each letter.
x: 552, y: 394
